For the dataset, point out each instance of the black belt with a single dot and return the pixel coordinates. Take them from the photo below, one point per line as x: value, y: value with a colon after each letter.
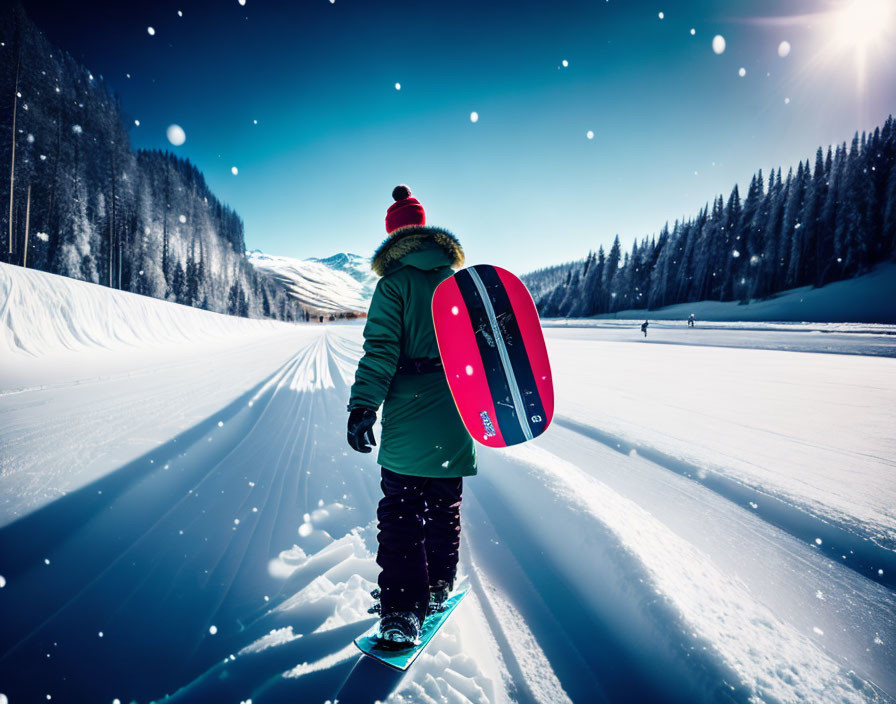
x: 419, y: 365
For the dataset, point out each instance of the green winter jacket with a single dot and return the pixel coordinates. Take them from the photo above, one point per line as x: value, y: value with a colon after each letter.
x: 422, y: 433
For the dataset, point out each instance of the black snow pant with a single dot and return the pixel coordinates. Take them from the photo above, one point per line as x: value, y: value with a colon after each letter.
x: 419, y: 538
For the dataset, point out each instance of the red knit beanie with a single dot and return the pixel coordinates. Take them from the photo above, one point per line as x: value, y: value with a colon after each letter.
x: 404, y: 211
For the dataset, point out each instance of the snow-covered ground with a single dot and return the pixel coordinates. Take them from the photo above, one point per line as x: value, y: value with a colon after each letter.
x: 864, y: 299
x: 336, y: 284
x: 702, y: 523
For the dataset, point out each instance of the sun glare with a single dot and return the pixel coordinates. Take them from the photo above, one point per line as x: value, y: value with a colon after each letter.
x: 862, y: 28
x: 862, y: 22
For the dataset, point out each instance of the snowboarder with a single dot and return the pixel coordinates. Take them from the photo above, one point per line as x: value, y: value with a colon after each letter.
x: 425, y: 451
x: 691, y: 320
x: 644, y: 327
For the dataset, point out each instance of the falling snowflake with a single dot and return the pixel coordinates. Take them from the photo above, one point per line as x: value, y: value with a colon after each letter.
x: 661, y: 15
x: 783, y: 49
x: 241, y: 2
x: 176, y: 135
x: 735, y: 254
x: 137, y: 123
x: 213, y: 629
x: 2, y: 581
x: 474, y: 117
x: 741, y: 72
x: 565, y: 63
x: 77, y: 129
x: 254, y: 122
x: 718, y: 44
x: 787, y: 101
x: 30, y: 139
x: 150, y: 31
x: 693, y: 31
x: 234, y: 170
x: 590, y: 134
x: 182, y: 218
x: 398, y: 86
x: 180, y: 13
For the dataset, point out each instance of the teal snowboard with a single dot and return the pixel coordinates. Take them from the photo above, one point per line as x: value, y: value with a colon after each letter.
x: 403, y: 659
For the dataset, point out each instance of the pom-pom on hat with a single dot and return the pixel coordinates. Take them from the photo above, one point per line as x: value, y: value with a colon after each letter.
x: 406, y: 210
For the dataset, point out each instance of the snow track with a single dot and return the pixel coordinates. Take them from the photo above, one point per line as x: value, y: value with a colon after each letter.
x: 192, y: 527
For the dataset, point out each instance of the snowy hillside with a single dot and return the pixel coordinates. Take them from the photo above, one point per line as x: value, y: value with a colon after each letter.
x: 354, y: 265
x: 866, y: 299
x: 337, y: 284
x: 700, y: 524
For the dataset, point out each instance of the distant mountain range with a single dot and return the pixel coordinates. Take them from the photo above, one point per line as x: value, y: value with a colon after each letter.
x: 342, y: 283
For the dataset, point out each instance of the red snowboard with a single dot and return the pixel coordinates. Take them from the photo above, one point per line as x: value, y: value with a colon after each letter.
x: 494, y: 355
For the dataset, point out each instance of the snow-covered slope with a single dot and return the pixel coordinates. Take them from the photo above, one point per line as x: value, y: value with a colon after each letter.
x: 42, y: 314
x: 354, y: 265
x: 700, y: 524
x: 865, y: 299
x: 341, y: 283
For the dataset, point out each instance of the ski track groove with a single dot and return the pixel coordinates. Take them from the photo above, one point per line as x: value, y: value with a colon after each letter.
x: 728, y: 486
x: 118, y: 559
x: 523, y: 691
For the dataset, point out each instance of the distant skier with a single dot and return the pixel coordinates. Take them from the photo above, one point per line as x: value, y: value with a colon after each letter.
x: 691, y: 320
x: 644, y: 327
x: 425, y: 449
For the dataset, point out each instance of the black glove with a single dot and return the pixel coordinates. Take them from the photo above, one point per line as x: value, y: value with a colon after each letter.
x: 360, y: 429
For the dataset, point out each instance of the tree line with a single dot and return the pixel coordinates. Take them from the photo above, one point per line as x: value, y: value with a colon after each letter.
x: 81, y: 203
x: 823, y: 222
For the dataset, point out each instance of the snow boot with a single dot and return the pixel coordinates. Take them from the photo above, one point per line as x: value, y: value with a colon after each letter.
x: 438, y: 595
x: 376, y: 608
x: 398, y: 630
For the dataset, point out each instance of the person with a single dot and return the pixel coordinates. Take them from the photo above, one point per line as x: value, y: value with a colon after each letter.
x: 691, y: 320
x: 644, y: 327
x: 425, y: 450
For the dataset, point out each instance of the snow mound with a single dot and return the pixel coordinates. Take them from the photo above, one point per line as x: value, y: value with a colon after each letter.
x: 328, y: 612
x: 44, y: 313
x: 338, y: 284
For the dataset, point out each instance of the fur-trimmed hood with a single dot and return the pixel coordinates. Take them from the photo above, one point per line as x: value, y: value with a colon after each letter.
x: 413, y: 239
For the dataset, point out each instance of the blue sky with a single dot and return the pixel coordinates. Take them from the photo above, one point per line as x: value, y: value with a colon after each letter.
x: 674, y: 124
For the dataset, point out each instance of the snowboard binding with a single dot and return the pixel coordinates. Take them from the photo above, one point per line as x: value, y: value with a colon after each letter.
x: 398, y: 630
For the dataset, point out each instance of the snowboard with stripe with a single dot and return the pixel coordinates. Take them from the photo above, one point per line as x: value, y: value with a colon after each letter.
x: 494, y: 356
